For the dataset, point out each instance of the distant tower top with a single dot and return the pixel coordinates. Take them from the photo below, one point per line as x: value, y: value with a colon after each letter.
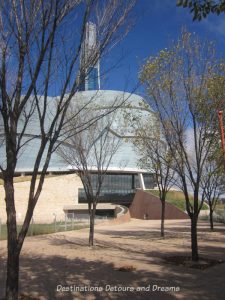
x: 90, y: 72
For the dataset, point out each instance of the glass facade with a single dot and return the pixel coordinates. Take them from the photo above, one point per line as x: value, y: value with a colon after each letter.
x: 93, y: 79
x: 82, y: 82
x: 89, y: 82
x: 120, y: 181
x: 117, y: 188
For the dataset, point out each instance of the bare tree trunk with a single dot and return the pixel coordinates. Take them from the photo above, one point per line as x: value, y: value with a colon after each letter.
x: 92, y: 225
x: 91, y: 231
x: 194, y: 238
x: 211, y: 217
x: 162, y: 217
x: 12, y: 280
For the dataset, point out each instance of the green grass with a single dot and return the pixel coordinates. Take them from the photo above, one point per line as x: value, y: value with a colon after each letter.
x: 39, y: 229
x: 25, y: 178
x: 176, y: 198
x: 220, y: 206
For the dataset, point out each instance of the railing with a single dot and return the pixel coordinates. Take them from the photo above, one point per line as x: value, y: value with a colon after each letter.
x: 120, y: 210
x: 218, y: 216
x: 69, y: 223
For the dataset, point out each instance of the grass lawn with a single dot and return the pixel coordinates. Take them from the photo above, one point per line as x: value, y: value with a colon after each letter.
x: 176, y: 198
x: 220, y: 206
x: 39, y: 229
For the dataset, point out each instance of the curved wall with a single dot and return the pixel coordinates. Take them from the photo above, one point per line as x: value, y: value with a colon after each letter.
x: 130, y: 106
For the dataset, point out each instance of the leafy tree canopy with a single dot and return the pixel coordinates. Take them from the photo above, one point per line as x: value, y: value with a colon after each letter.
x: 200, y: 9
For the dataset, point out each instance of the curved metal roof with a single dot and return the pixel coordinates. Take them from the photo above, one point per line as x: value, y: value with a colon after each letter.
x: 125, y: 159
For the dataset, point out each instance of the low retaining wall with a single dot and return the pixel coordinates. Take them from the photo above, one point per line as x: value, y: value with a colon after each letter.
x: 147, y: 206
x: 119, y: 220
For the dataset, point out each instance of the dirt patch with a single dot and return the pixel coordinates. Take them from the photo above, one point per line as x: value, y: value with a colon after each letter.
x: 51, y: 264
x: 186, y: 261
x: 27, y: 297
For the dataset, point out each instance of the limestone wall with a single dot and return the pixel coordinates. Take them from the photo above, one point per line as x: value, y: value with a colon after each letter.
x: 57, y: 192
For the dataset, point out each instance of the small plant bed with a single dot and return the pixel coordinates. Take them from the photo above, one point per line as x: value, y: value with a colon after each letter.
x: 126, y: 268
x: 186, y: 261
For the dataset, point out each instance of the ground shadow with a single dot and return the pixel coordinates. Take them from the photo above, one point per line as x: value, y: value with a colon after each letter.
x: 41, y: 275
x: 45, y: 278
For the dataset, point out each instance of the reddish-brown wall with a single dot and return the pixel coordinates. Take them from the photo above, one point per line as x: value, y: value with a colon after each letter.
x: 148, y: 206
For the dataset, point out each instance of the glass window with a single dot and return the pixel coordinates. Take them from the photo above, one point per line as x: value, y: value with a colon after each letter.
x: 117, y: 187
x: 93, y: 78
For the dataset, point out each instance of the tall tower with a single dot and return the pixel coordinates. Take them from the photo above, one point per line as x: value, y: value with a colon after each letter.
x: 90, y: 73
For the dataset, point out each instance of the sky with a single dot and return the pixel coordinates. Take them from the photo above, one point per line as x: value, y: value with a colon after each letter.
x: 157, y: 23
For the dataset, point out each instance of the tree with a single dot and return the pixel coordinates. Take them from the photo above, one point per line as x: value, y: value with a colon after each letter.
x: 156, y: 157
x: 39, y: 55
x: 216, y: 92
x: 90, y: 152
x: 202, y: 8
x: 1, y: 138
x: 176, y: 82
x: 212, y: 184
